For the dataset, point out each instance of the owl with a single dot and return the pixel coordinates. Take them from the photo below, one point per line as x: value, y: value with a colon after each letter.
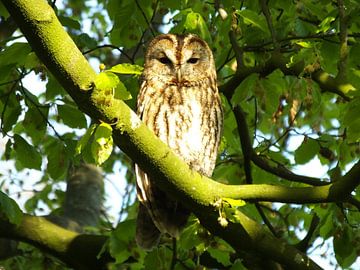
x: 179, y: 101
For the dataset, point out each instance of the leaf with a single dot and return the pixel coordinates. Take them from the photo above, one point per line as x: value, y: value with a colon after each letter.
x: 84, y: 140
x: 121, y: 92
x: 222, y: 256
x: 11, y: 110
x: 351, y: 119
x: 106, y: 81
x: 102, y: 145
x: 244, y: 89
x: 195, y: 23
x: 345, y: 252
x: 233, y: 202
x: 58, y: 161
x: 190, y: 235
x: 72, y: 116
x: 35, y: 122
x: 325, y: 25
x: 53, y: 88
x: 127, y: 69
x: 306, y: 151
x: 120, y: 240
x: 16, y: 53
x: 69, y: 22
x: 252, y: 18
x: 238, y: 266
x: 26, y: 154
x: 9, y: 209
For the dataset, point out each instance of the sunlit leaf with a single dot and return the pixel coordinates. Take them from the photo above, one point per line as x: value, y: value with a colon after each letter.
x: 126, y: 69
x: 9, y: 209
x: 102, y: 144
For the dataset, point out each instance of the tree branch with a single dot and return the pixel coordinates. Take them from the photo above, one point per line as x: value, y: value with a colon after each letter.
x: 53, y: 46
x: 265, y: 10
x: 326, y: 81
x: 343, y: 24
x: 64, y: 244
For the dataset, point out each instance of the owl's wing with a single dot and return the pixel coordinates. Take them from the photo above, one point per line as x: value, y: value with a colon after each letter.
x: 147, y: 234
x: 157, y: 213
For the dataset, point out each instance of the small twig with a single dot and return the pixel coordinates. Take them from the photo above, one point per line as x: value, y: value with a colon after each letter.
x: 143, y: 33
x: 266, y: 220
x: 146, y: 19
x: 266, y: 12
x: 237, y: 50
x: 304, y: 244
x: 342, y: 63
x: 37, y: 108
x: 112, y: 47
x: 227, y: 59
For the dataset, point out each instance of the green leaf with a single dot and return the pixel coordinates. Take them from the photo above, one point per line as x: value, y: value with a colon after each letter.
x: 120, y: 240
x: 69, y: 22
x: 126, y: 69
x: 106, y: 81
x: 10, y: 109
x: 121, y: 92
x: 16, y: 53
x: 325, y: 25
x: 84, y: 140
x: 102, y: 145
x: 238, y: 266
x: 190, y: 235
x: 345, y: 252
x: 351, y: 119
x: 233, y: 202
x: 72, y: 116
x: 306, y: 151
x: 243, y: 91
x: 252, y: 18
x: 9, y: 209
x: 84, y: 40
x: 53, y: 88
x: 195, y: 23
x: 159, y: 258
x: 35, y: 122
x: 58, y: 161
x: 3, y: 11
x: 26, y: 154
x: 222, y: 256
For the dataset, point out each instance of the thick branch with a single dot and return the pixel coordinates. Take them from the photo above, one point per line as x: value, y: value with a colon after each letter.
x: 78, y: 250
x: 39, y: 24
x: 326, y: 81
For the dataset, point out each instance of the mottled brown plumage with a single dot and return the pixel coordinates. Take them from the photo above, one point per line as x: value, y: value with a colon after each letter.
x: 180, y: 103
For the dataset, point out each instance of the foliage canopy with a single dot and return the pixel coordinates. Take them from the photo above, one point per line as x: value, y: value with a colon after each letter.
x: 289, y: 76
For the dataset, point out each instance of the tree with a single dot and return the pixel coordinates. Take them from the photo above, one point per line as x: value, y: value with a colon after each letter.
x: 288, y: 71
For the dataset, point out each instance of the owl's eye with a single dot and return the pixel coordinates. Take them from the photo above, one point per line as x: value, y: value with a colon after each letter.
x: 164, y: 60
x: 193, y: 60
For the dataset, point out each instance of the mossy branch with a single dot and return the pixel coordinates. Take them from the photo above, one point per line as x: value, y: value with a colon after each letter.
x: 78, y: 250
x: 58, y: 52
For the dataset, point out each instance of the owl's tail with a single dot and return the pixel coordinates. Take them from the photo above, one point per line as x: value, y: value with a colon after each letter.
x: 147, y: 234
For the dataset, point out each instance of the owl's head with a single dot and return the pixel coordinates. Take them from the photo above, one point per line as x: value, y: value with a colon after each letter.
x: 179, y: 59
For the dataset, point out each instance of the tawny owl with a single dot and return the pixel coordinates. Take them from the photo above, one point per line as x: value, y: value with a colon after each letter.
x: 180, y: 103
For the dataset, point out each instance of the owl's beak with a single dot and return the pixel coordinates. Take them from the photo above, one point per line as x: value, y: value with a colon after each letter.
x: 178, y: 74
